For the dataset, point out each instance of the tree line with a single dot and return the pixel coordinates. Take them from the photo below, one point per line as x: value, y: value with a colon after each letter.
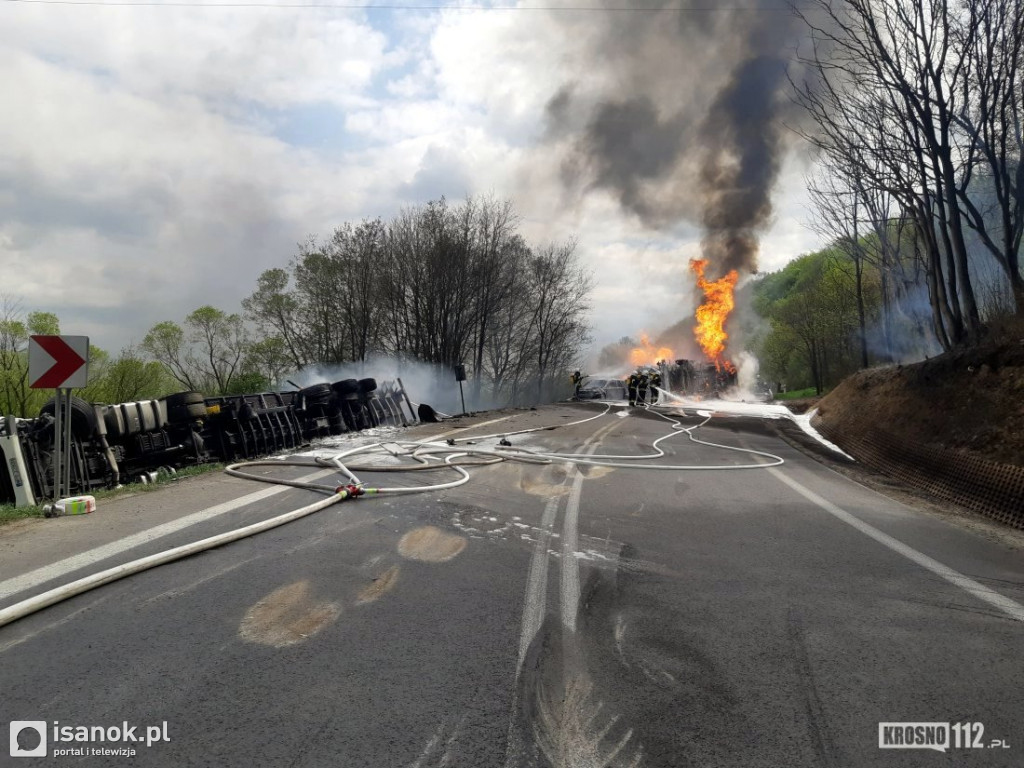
x: 124, y: 377
x: 917, y: 108
x: 438, y: 283
x: 811, y: 337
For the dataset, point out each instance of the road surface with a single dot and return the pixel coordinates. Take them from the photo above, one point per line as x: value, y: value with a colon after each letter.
x: 548, y: 616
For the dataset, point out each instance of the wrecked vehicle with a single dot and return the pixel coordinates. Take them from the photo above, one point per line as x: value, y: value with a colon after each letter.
x: 135, y: 442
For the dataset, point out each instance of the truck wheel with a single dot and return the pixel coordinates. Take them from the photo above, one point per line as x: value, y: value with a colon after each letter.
x: 183, y: 398
x: 190, y: 412
x: 83, y: 418
x: 316, y: 394
x: 346, y: 387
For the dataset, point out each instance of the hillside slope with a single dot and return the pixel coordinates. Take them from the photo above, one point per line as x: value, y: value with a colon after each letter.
x: 970, y: 401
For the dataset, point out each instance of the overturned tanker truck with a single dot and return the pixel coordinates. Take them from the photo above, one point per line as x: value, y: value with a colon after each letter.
x: 135, y: 442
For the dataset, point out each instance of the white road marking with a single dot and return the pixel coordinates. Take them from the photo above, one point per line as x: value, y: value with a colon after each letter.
x: 1010, y: 607
x: 537, y: 582
x: 535, y: 602
x: 570, y: 565
x: 570, y: 539
x: 63, y: 567
x: 466, y: 429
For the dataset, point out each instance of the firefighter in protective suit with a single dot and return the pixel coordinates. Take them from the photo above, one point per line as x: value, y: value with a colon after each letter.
x: 577, y: 381
x: 632, y: 383
x: 655, y: 380
x: 641, y: 387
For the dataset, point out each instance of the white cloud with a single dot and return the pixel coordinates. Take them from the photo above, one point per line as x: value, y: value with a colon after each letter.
x: 141, y: 176
x: 272, y: 57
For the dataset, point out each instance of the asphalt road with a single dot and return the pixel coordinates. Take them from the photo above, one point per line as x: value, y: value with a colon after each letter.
x: 544, y: 616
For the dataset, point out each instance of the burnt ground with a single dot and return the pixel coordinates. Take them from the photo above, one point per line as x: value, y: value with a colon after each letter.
x: 969, y: 400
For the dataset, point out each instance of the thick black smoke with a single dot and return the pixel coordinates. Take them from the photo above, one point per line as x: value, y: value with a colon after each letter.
x: 683, y: 117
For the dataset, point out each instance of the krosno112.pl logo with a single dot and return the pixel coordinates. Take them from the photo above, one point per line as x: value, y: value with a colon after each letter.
x: 937, y: 736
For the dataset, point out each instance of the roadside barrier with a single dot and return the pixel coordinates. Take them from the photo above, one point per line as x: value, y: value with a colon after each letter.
x: 993, y: 489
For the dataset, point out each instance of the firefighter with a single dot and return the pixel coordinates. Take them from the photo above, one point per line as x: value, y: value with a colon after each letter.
x: 641, y: 387
x: 631, y: 384
x: 655, y: 380
x: 577, y: 382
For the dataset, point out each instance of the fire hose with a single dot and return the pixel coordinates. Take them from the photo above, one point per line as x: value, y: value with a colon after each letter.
x: 428, y: 455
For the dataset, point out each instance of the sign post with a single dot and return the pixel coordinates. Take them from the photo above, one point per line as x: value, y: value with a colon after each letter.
x: 60, y: 363
x: 460, y: 376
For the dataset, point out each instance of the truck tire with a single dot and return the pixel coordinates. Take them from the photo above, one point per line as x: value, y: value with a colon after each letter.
x: 346, y: 387
x: 316, y: 394
x: 180, y: 413
x: 367, y: 385
x: 183, y: 398
x: 83, y: 418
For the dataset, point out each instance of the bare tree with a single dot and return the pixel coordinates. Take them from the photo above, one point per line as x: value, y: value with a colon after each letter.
x: 990, y: 116
x: 883, y: 82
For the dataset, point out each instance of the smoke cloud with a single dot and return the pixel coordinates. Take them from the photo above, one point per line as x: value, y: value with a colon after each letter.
x: 429, y: 383
x: 682, y: 117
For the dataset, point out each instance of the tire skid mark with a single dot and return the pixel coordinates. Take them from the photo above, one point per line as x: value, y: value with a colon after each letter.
x: 817, y: 724
x: 432, y: 755
x: 564, y: 722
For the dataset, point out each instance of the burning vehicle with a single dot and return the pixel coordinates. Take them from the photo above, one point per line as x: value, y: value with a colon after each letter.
x: 135, y: 442
x: 603, y: 389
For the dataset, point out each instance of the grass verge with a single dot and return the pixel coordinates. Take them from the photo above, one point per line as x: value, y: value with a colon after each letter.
x: 9, y: 513
x: 797, y: 394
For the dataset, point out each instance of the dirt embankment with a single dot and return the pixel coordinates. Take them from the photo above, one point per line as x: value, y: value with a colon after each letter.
x: 968, y: 401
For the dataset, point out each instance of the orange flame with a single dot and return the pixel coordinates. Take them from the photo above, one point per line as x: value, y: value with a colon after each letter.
x: 712, y: 314
x: 647, y: 354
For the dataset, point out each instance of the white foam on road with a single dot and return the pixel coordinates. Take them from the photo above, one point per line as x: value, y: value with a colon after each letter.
x: 803, y: 420
x: 759, y: 411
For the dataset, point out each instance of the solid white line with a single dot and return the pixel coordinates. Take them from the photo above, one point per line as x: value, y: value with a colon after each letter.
x: 1010, y: 607
x: 535, y: 602
x: 570, y: 539
x: 570, y: 565
x: 63, y: 567
x: 537, y: 582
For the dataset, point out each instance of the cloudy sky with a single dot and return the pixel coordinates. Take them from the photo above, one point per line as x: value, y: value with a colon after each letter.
x: 154, y: 159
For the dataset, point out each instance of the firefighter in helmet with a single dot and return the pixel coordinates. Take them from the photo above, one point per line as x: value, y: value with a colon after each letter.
x: 631, y: 383
x: 641, y: 387
x: 577, y: 381
x: 655, y: 380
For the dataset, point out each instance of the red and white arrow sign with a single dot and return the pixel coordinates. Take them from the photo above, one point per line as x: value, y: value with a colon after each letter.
x: 58, y: 362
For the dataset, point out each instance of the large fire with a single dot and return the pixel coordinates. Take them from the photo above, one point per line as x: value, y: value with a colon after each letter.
x: 647, y: 353
x: 712, y: 314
